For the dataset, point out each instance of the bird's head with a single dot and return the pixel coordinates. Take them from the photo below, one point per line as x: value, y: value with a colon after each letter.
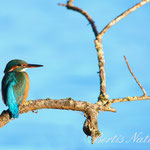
x: 19, y: 66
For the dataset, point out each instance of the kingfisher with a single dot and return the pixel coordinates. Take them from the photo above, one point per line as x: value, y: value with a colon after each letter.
x: 15, y: 85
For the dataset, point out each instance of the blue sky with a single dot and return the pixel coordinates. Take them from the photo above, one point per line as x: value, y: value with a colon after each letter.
x: 44, y: 33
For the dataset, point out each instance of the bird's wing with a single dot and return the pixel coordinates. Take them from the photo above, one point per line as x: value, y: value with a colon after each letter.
x: 9, y: 96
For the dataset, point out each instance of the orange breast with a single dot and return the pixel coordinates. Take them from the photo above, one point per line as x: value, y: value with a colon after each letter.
x: 26, y: 89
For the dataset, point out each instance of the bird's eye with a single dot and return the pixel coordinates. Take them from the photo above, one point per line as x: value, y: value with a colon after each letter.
x: 20, y: 65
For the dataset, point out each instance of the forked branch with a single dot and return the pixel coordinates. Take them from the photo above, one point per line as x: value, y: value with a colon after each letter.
x: 64, y: 104
x: 98, y: 46
x: 103, y: 97
x: 121, y: 16
x: 70, y: 5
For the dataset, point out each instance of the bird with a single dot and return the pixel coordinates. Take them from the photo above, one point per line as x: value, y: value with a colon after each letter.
x: 15, y: 85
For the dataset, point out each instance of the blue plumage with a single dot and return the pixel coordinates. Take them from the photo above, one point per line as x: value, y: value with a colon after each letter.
x: 13, y: 90
x: 11, y: 97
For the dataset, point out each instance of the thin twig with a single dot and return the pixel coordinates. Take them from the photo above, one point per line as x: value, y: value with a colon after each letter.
x: 84, y: 13
x: 123, y: 15
x: 129, y: 99
x: 144, y: 92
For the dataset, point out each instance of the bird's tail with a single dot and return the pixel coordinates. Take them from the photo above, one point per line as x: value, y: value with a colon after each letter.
x: 14, y: 109
x: 11, y: 100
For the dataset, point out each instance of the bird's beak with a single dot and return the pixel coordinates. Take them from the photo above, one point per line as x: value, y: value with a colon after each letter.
x: 33, y: 65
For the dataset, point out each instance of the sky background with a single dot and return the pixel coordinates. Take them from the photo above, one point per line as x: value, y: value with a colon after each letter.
x: 44, y: 33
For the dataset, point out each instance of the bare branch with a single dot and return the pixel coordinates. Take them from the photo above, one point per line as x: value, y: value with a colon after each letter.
x: 98, y: 43
x: 65, y: 104
x: 101, y: 63
x: 123, y: 15
x: 128, y: 99
x: 103, y: 104
x: 99, y: 48
x: 84, y: 13
x: 90, y: 111
x: 144, y: 93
